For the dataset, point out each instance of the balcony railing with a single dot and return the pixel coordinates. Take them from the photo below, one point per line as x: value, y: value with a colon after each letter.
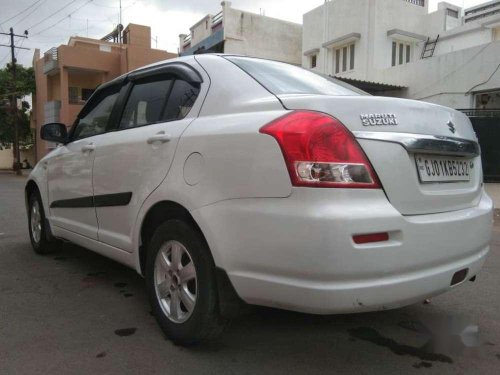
x: 216, y: 19
x: 51, y: 54
x: 416, y: 2
x: 483, y: 15
x: 469, y: 12
x: 50, y: 61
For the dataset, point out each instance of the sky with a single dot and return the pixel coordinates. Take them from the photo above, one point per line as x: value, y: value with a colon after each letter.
x: 50, y: 23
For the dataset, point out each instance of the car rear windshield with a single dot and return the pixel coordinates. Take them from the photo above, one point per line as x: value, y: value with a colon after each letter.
x: 280, y: 78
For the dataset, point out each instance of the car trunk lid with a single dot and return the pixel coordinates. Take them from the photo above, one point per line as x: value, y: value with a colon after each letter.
x: 401, y: 136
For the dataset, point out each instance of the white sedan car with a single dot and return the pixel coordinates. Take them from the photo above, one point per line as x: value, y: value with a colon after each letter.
x: 227, y: 179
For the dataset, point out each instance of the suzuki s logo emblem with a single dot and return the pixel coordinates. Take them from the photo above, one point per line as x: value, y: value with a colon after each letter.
x: 451, y: 126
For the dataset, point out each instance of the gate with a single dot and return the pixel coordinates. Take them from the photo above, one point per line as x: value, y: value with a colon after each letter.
x: 486, y: 124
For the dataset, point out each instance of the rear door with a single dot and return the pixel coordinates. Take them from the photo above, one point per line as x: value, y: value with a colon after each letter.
x: 133, y: 160
x: 70, y: 170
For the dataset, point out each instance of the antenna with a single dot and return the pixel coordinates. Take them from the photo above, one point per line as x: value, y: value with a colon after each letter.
x: 120, y: 34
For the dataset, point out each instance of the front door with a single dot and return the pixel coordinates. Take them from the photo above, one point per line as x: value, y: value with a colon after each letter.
x: 132, y: 161
x: 70, y: 187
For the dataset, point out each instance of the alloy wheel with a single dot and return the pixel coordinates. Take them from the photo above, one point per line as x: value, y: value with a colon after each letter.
x: 175, y: 281
x: 36, y: 222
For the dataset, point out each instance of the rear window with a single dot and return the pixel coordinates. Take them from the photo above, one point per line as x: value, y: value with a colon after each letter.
x: 280, y: 78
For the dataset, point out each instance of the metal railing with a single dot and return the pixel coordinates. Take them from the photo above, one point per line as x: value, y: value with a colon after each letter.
x: 492, y: 13
x: 475, y: 112
x: 216, y: 19
x: 416, y: 2
x: 50, y: 55
x: 481, y: 9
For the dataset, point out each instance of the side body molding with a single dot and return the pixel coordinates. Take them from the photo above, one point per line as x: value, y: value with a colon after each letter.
x: 105, y: 200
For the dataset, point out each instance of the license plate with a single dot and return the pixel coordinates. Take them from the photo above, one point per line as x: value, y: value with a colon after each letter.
x: 442, y: 168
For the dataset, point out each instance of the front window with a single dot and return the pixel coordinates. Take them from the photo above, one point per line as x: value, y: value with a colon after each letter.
x: 94, y: 118
x: 280, y: 78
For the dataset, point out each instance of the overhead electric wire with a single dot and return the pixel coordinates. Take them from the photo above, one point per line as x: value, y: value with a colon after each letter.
x: 16, y: 51
x: 112, y: 6
x: 19, y: 13
x: 484, y: 82
x: 30, y: 13
x: 53, y: 14
x: 62, y: 19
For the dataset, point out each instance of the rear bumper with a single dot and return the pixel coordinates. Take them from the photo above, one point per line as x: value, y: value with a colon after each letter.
x: 356, y: 296
x: 297, y: 253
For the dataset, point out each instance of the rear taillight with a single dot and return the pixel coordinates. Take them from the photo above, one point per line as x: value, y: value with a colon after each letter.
x: 319, y: 151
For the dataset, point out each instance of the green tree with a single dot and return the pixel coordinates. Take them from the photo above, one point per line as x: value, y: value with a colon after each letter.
x: 24, y: 85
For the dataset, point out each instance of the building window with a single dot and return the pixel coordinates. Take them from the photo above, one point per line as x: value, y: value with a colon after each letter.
x: 401, y: 53
x: 86, y: 94
x: 452, y: 13
x: 394, y: 48
x: 344, y: 58
x: 73, y: 95
x: 337, y: 61
x: 351, y: 60
x: 313, y: 61
x: 78, y: 95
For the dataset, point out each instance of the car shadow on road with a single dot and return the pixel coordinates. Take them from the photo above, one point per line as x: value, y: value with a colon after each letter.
x: 422, y: 335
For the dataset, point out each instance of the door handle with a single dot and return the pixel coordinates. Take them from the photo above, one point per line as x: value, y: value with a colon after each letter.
x: 161, y: 137
x: 88, y: 147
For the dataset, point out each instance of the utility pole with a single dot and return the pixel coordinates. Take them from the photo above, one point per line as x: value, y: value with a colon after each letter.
x: 13, y: 102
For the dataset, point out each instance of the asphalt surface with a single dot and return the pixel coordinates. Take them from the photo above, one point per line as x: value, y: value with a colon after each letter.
x: 76, y: 312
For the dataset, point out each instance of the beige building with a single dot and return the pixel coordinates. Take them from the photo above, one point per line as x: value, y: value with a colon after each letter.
x: 400, y: 48
x: 244, y: 33
x: 67, y: 75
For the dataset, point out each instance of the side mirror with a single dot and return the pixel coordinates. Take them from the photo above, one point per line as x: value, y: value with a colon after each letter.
x: 54, y: 132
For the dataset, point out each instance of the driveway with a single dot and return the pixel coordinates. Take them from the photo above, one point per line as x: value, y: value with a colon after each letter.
x: 76, y: 312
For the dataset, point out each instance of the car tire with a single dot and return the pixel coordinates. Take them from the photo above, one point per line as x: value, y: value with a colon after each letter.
x: 182, y: 287
x: 41, y: 242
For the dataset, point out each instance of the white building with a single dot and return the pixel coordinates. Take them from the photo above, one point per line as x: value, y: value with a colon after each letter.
x: 245, y: 33
x: 386, y: 47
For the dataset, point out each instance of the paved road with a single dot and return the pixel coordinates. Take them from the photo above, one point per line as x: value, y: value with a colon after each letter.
x: 60, y: 314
